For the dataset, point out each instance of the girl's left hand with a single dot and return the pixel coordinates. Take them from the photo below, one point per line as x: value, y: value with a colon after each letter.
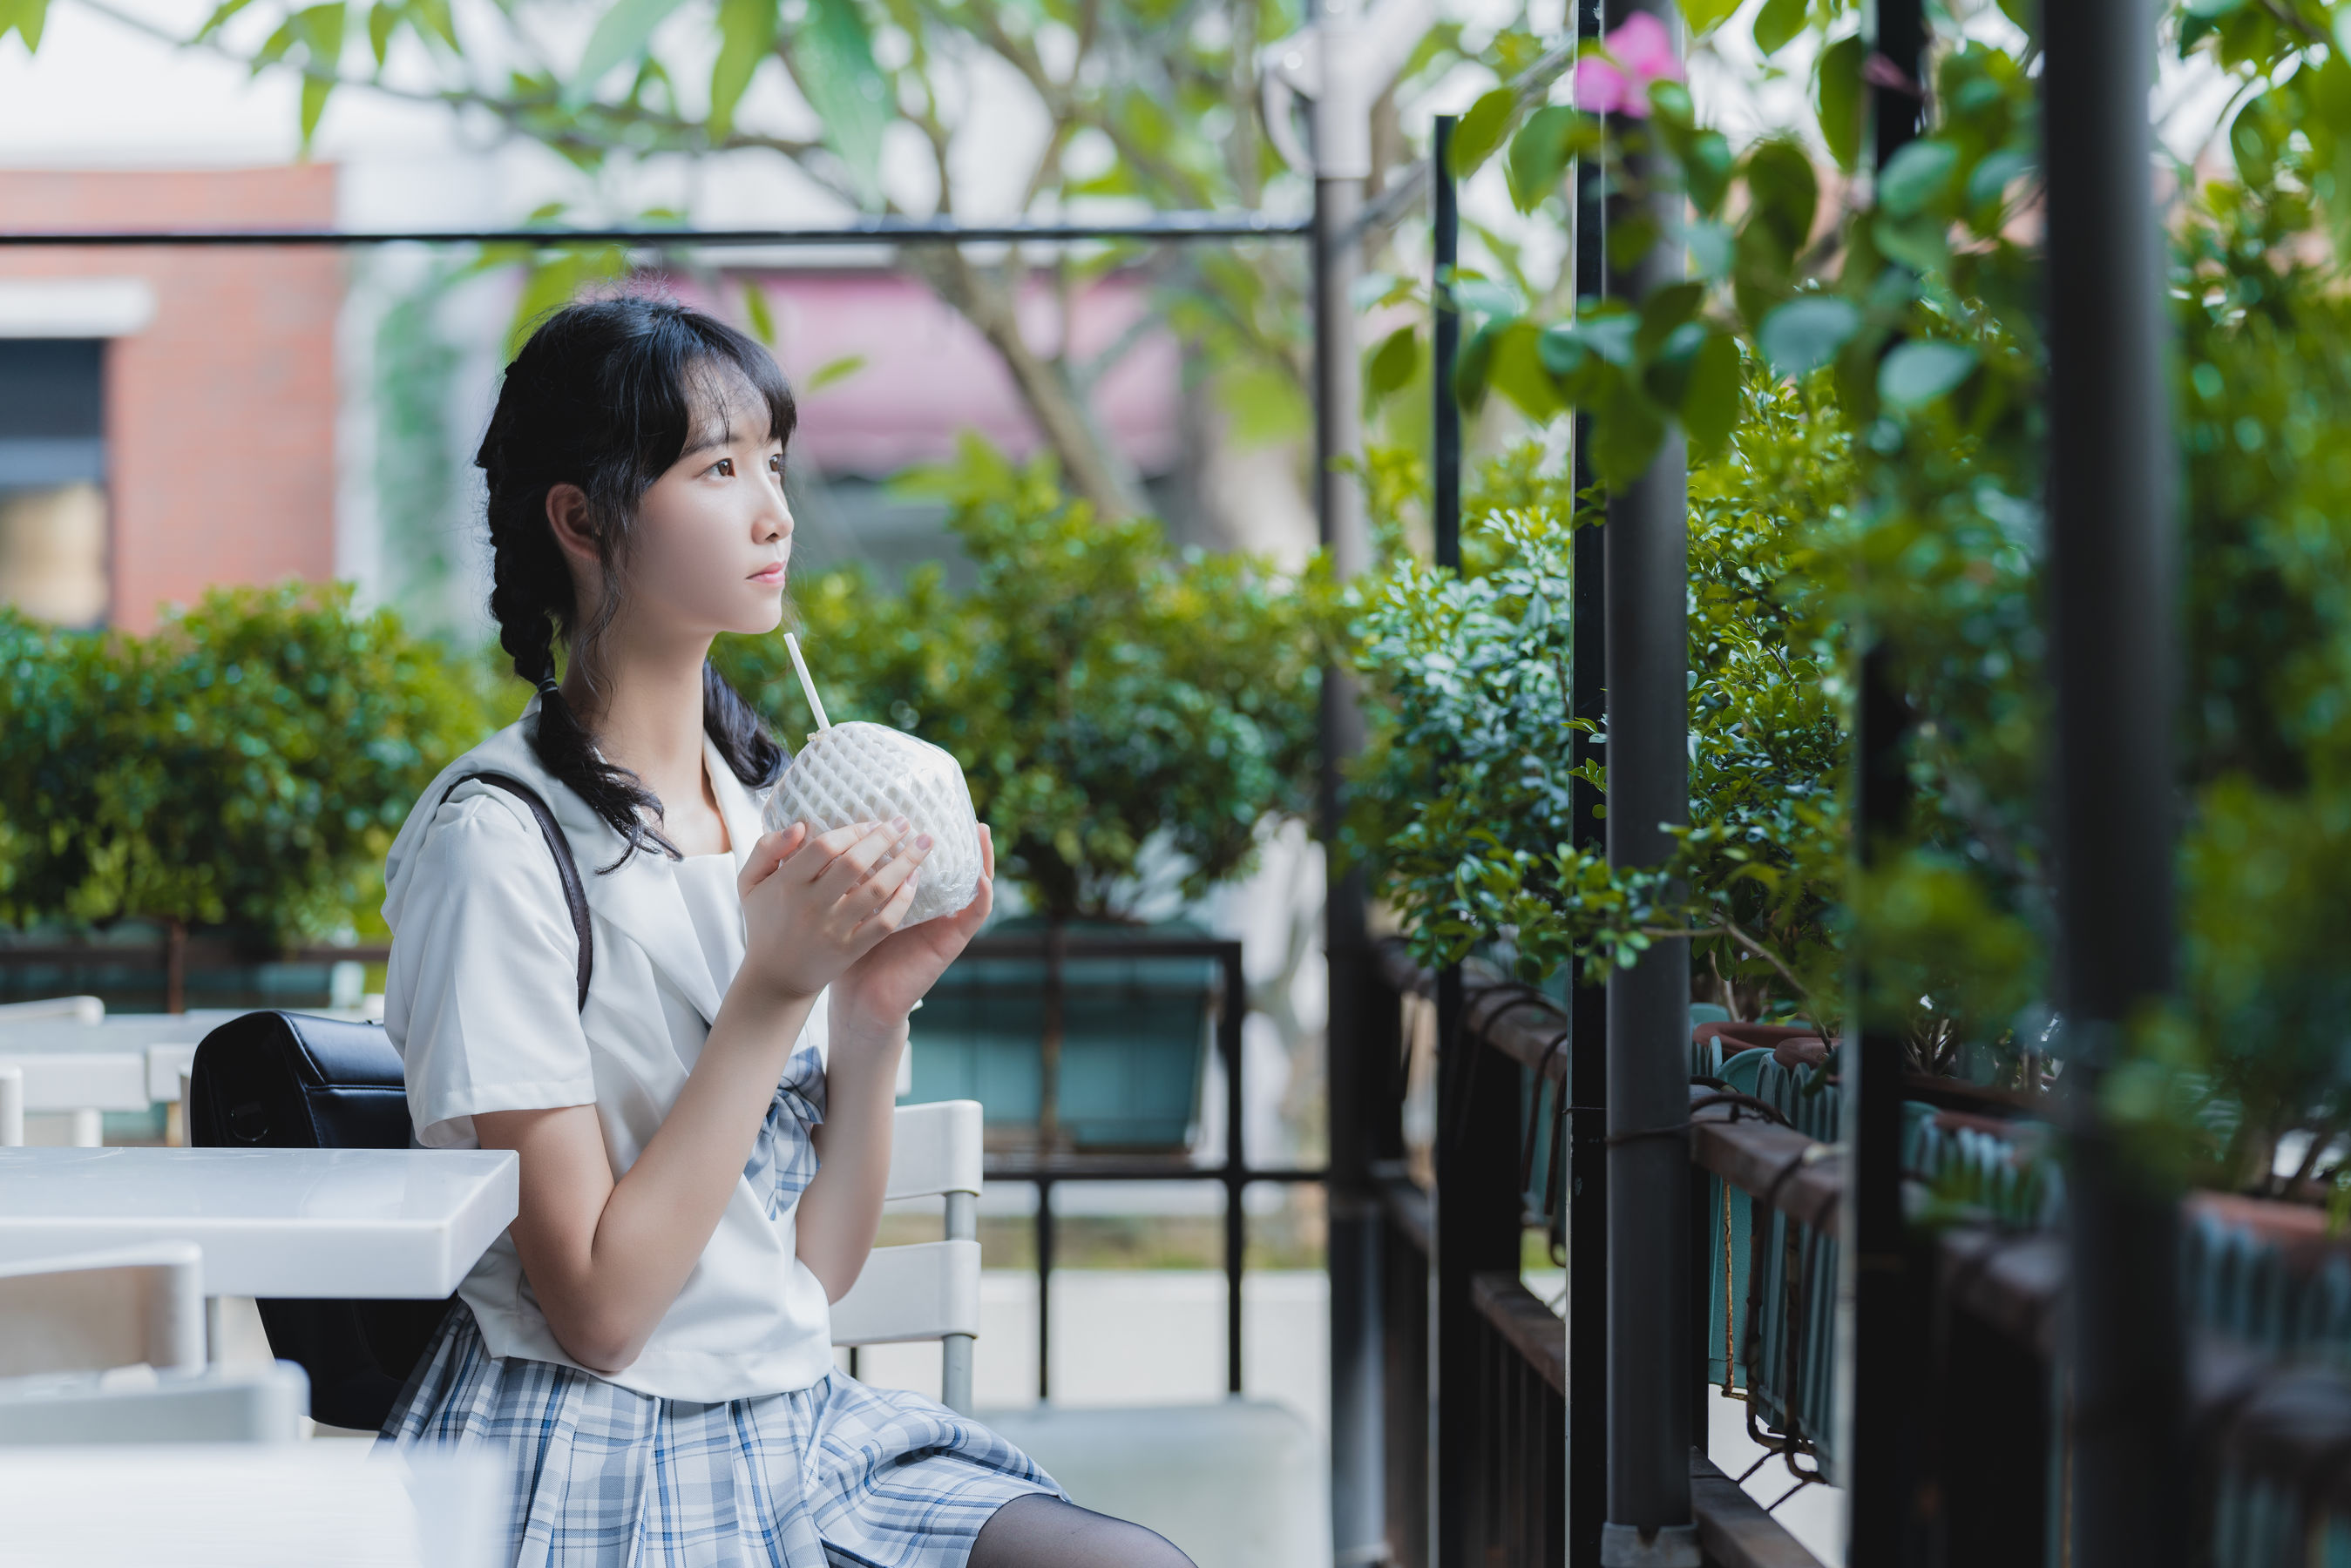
x: 883, y: 987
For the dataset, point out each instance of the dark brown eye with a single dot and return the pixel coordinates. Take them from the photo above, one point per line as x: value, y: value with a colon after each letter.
x: 725, y: 465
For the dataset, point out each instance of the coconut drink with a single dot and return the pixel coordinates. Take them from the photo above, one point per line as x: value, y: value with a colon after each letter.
x: 859, y: 772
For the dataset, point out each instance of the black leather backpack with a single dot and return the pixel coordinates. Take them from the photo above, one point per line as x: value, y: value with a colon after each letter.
x: 287, y: 1080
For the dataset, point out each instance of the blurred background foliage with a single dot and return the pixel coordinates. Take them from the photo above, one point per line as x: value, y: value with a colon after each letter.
x: 1128, y: 716
x: 243, y: 768
x: 1883, y: 471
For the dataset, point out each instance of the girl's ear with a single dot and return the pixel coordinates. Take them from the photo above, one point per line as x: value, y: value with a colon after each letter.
x: 567, y: 518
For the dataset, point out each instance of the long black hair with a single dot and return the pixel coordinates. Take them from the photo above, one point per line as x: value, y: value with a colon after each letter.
x: 604, y: 395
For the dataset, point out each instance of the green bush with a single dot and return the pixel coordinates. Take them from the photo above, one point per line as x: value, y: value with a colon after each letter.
x: 1102, y: 691
x: 244, y: 767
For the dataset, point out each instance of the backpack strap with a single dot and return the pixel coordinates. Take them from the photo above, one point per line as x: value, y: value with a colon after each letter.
x: 567, y: 870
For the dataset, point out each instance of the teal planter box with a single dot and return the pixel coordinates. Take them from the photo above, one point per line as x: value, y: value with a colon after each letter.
x: 1136, y: 1035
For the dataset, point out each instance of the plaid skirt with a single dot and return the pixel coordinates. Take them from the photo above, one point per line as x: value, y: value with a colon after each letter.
x: 838, y: 1475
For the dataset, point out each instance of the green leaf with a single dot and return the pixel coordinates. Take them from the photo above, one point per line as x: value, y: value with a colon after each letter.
x: 24, y: 17
x: 1783, y: 194
x: 1630, y: 241
x: 756, y: 311
x: 1551, y: 139
x: 2213, y: 10
x: 1710, y: 395
x: 1802, y: 334
x: 1470, y: 367
x: 747, y: 32
x: 1778, y: 22
x: 321, y: 28
x: 621, y: 36
x: 1561, y: 349
x: 382, y: 18
x: 1481, y: 131
x: 1920, y: 372
x: 1665, y: 310
x: 1837, y: 95
x: 434, y: 15
x: 833, y: 370
x: 1703, y: 17
x: 1516, y: 370
x: 315, y: 92
x: 1625, y: 431
x: 831, y: 57
x: 213, y: 24
x: 1991, y: 179
x: 1917, y: 176
x: 1614, y: 336
x: 1392, y: 364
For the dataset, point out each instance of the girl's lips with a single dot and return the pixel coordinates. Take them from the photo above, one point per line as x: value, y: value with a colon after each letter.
x: 771, y: 576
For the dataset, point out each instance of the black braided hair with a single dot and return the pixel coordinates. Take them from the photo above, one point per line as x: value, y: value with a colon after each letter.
x: 604, y: 397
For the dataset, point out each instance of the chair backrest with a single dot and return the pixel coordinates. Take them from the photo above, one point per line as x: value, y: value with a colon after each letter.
x: 91, y: 1312
x: 216, y: 1404
x: 79, y: 1009
x: 934, y: 1149
x: 929, y: 1290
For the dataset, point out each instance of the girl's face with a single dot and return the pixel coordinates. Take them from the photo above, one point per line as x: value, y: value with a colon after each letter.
x: 713, y: 534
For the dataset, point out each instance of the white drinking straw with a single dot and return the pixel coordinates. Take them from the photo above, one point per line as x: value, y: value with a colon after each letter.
x: 816, y: 704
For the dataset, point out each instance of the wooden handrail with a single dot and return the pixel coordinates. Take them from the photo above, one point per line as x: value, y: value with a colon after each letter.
x: 1538, y: 1333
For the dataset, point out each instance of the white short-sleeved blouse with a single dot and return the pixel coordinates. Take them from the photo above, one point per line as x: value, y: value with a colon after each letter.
x: 481, y: 1003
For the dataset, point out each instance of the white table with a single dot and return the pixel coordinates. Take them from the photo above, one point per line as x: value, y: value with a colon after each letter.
x: 125, y: 1062
x: 323, y: 1222
x: 129, y: 1062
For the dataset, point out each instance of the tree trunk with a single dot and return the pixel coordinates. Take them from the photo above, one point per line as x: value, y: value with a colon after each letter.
x: 175, y: 965
x: 1049, y: 1046
x: 1091, y: 464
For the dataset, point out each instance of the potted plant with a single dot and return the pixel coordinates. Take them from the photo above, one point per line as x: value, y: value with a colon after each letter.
x: 1128, y: 717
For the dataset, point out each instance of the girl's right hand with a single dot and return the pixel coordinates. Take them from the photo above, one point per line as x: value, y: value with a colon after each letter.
x: 813, y: 906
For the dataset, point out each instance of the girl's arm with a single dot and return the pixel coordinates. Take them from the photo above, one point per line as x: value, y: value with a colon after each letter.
x: 607, y: 1257
x: 841, y: 1213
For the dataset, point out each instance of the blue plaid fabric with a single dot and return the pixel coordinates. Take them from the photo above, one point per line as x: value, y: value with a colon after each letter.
x: 834, y: 1476
x: 839, y: 1474
x: 783, y: 1162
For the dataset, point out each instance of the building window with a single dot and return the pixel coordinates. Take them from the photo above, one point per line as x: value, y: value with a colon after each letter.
x: 53, y: 516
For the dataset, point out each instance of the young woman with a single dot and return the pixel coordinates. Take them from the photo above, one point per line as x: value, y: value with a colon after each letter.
x: 705, y: 1135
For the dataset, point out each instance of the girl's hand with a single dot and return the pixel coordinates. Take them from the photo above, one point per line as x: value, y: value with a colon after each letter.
x: 882, y: 986
x: 812, y: 906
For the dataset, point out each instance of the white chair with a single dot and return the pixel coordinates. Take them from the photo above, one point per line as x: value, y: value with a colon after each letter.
x: 77, y: 1009
x: 84, y: 1067
x: 137, y: 1405
x: 93, y: 1312
x: 929, y: 1290
x: 108, y: 1348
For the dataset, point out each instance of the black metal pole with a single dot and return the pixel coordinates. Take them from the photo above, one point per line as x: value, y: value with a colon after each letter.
x: 1877, y: 1454
x: 1228, y: 1047
x: 1587, y: 1085
x: 1044, y: 1289
x: 1353, y: 1036
x: 2111, y: 620
x: 1178, y: 227
x: 1445, y: 336
x: 1649, y: 1337
x: 1475, y: 1211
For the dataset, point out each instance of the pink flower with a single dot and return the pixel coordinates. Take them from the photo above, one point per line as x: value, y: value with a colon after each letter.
x: 1616, y: 81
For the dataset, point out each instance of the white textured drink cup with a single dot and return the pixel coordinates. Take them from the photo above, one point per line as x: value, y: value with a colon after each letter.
x: 858, y: 771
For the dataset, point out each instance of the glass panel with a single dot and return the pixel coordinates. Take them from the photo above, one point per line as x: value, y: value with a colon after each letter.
x: 53, y: 551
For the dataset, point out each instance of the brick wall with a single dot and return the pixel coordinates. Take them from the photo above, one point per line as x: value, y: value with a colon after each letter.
x: 220, y: 415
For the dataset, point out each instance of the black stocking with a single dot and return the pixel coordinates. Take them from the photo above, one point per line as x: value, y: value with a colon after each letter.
x: 1040, y: 1531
